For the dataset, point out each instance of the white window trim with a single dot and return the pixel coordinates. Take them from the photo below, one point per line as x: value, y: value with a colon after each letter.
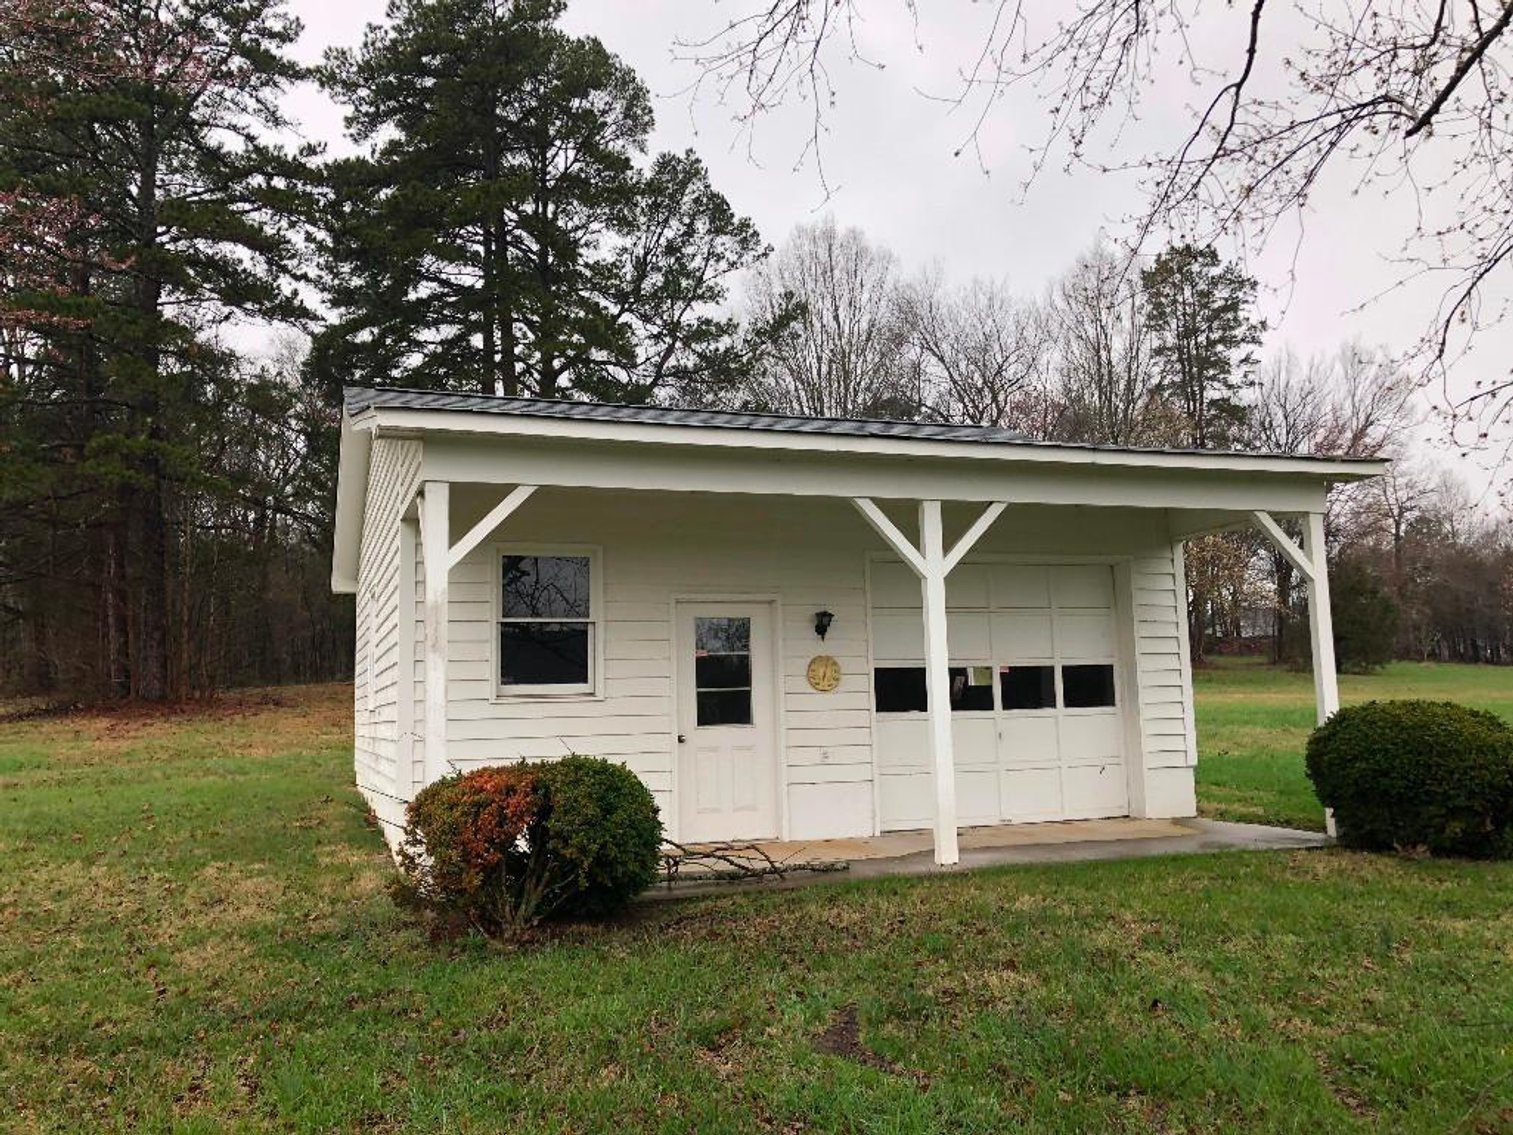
x: 593, y: 690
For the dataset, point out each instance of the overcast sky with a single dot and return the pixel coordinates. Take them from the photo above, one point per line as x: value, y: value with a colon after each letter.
x: 888, y: 161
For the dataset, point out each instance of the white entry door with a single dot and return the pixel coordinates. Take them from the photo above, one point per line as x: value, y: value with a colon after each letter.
x: 727, y: 752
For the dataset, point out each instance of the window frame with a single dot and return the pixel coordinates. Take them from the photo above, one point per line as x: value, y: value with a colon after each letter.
x: 751, y: 675
x: 593, y: 689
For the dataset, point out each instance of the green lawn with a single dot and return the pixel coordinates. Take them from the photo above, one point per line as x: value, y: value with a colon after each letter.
x: 1254, y: 720
x: 194, y: 936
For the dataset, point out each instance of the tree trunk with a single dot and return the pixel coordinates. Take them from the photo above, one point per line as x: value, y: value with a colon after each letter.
x: 150, y: 548
x: 1197, y: 620
x: 1282, y: 570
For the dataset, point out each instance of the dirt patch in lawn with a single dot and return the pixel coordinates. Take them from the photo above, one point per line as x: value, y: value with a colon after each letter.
x: 843, y: 1038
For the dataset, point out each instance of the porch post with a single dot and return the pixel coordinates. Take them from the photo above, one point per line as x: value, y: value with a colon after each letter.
x: 938, y: 680
x: 434, y: 544
x: 1326, y: 686
x: 932, y: 563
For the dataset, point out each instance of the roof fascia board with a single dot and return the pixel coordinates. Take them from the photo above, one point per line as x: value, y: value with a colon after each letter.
x: 351, y: 504
x: 827, y: 474
x: 411, y: 422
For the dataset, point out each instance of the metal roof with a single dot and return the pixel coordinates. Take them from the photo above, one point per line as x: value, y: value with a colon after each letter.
x: 359, y: 398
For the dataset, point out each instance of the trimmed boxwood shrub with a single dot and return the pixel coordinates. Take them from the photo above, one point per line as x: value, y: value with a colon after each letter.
x: 602, y: 835
x: 501, y: 848
x: 1417, y: 774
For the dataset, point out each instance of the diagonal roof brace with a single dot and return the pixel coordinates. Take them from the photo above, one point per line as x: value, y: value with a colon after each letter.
x: 1284, y: 543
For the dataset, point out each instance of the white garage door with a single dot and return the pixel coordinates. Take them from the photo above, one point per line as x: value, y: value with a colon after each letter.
x: 1035, y: 694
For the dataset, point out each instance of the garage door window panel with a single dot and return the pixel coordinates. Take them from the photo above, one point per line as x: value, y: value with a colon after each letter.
x: 1088, y: 686
x: 905, y: 689
x: 1027, y: 687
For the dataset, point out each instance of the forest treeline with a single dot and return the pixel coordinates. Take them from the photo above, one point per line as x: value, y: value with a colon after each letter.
x: 166, y: 491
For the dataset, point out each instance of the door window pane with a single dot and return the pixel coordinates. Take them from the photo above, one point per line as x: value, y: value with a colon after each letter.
x: 544, y: 654
x: 971, y: 687
x: 899, y: 689
x: 1028, y: 687
x: 546, y: 587
x: 722, y: 636
x: 724, y: 707
x: 722, y: 671
x: 1087, y: 686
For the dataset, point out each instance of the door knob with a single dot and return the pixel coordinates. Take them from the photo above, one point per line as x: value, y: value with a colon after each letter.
x: 682, y: 740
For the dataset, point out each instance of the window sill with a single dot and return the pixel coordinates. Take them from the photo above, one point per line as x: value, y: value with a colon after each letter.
x: 511, y: 697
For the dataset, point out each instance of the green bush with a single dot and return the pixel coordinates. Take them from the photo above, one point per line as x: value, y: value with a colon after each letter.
x: 1417, y: 774
x: 603, y: 835
x: 499, y: 849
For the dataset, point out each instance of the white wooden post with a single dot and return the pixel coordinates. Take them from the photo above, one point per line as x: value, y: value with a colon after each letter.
x: 1326, y: 685
x: 932, y: 563
x: 434, y: 536
x: 932, y: 587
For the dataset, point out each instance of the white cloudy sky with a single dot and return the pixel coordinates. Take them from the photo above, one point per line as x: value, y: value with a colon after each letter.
x: 888, y: 159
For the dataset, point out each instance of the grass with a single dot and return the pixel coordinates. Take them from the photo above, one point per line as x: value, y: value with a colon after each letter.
x: 194, y: 937
x: 1254, y: 720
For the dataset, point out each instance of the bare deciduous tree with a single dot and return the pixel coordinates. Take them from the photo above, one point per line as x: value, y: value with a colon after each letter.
x: 1355, y: 403
x: 1399, y: 96
x: 845, y: 352
x: 1104, y: 364
x: 985, y: 352
x: 1370, y: 404
x: 1290, y: 406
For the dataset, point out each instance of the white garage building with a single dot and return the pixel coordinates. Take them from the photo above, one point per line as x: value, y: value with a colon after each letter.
x: 788, y: 627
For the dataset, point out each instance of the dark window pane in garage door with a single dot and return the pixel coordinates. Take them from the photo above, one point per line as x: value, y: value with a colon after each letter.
x: 967, y: 692
x: 899, y: 689
x: 1028, y: 687
x: 1084, y: 687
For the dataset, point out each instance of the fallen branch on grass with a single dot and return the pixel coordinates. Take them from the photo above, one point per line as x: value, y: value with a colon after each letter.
x: 733, y: 863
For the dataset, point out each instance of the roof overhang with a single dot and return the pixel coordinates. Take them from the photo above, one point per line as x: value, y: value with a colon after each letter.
x: 414, y: 423
x: 503, y: 448
x: 351, y: 499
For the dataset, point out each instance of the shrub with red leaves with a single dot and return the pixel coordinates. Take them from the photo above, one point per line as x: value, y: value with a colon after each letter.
x: 465, y: 852
x: 499, y: 849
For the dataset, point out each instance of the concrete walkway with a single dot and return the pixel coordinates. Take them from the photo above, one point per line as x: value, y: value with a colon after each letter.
x: 1076, y: 841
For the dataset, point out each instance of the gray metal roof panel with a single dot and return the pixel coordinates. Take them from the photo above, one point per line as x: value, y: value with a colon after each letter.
x: 359, y: 398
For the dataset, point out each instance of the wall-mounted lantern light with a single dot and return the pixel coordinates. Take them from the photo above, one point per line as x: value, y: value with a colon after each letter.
x: 822, y: 621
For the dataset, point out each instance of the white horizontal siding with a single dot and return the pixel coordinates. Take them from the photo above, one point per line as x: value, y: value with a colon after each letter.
x: 645, y: 566
x: 805, y: 556
x: 394, y: 470
x: 1164, y: 679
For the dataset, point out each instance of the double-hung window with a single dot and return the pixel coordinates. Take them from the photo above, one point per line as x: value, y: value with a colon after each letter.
x: 548, y: 623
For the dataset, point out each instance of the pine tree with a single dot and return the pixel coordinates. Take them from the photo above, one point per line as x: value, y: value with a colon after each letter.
x: 143, y: 208
x: 1200, y: 314
x: 502, y: 229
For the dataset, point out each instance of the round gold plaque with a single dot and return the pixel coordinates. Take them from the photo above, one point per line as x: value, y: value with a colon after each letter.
x: 824, y: 673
